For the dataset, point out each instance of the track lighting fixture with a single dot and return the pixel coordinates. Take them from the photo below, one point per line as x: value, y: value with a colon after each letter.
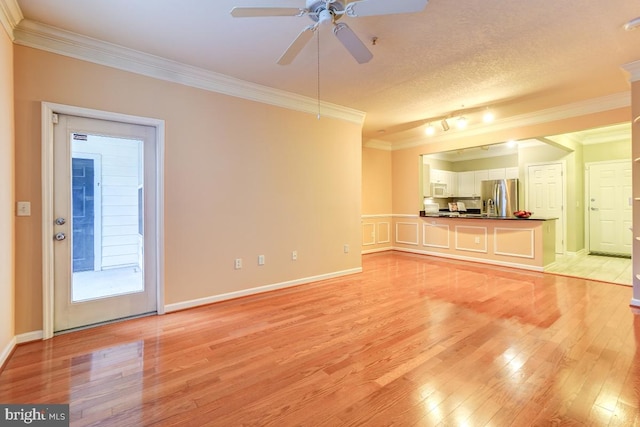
x: 488, y: 116
x: 430, y: 130
x: 445, y: 125
x: 461, y: 123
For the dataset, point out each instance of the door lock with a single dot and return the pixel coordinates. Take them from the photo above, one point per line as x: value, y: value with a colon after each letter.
x: 60, y: 236
x: 60, y: 221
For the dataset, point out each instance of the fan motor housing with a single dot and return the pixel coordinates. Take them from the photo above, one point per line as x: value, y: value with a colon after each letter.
x: 316, y: 6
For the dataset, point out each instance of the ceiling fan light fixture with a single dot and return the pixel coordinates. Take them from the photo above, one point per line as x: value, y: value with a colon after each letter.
x: 445, y: 125
x: 632, y: 25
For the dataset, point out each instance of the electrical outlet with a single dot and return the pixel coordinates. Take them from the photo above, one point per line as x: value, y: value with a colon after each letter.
x: 260, y: 259
x: 294, y: 255
x: 238, y: 264
x: 23, y: 209
x: 346, y: 249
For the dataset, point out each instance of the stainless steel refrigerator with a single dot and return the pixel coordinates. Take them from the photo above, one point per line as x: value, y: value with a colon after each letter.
x: 499, y: 197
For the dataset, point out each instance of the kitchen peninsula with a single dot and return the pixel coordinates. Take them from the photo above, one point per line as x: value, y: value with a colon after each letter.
x: 507, y: 241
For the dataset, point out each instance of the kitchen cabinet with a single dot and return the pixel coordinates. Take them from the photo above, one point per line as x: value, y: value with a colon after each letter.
x: 479, y: 176
x: 466, y: 184
x: 512, y: 173
x: 445, y: 177
x: 496, y: 173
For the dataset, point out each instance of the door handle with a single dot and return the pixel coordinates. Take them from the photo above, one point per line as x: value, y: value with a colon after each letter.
x: 60, y: 221
x: 60, y: 236
x: 595, y: 209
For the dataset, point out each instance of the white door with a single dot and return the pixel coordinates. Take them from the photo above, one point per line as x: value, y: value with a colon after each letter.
x: 545, y: 195
x: 609, y: 207
x: 104, y: 200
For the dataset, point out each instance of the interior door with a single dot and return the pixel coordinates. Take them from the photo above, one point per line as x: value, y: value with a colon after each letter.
x: 609, y: 209
x: 104, y: 198
x: 545, y: 195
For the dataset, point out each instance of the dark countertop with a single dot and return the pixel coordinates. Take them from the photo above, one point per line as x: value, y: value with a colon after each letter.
x: 480, y: 216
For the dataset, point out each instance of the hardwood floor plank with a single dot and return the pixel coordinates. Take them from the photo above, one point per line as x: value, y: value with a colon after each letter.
x: 412, y: 340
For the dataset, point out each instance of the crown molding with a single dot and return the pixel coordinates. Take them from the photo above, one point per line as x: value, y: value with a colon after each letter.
x: 378, y: 145
x: 576, y: 109
x: 66, y: 43
x: 633, y: 68
x: 10, y: 16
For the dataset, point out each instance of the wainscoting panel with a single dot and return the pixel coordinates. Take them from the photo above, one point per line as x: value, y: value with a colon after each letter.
x: 368, y: 234
x: 470, y: 238
x: 407, y: 233
x: 514, y: 242
x: 435, y: 235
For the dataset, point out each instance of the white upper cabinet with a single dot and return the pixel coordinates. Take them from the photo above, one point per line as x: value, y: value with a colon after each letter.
x: 496, y: 173
x: 466, y: 184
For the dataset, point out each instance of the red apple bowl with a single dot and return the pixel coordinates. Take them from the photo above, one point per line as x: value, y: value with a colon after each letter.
x: 523, y: 214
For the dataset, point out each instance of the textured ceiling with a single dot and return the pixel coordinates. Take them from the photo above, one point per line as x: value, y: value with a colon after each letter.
x: 515, y: 56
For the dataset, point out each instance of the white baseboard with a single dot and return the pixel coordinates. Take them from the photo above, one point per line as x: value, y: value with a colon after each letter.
x: 29, y: 336
x: 635, y: 303
x: 231, y: 295
x: 373, y: 251
x: 472, y: 259
x: 6, y: 351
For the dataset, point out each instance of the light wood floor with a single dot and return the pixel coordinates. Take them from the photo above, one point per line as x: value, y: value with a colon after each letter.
x: 413, y: 340
x: 596, y: 267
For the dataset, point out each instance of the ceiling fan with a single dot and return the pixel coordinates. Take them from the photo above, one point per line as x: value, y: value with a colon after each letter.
x: 325, y: 12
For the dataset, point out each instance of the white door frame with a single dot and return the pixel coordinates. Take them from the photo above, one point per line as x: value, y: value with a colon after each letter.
x: 563, y: 165
x: 587, y: 190
x: 48, y: 110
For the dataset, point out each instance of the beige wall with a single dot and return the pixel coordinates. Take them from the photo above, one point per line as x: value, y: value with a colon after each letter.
x: 6, y: 195
x: 238, y: 183
x: 377, y: 220
x: 619, y: 150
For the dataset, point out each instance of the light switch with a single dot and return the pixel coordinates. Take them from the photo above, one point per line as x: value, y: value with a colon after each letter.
x: 23, y: 209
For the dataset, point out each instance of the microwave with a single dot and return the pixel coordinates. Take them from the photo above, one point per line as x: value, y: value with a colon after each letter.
x: 439, y: 189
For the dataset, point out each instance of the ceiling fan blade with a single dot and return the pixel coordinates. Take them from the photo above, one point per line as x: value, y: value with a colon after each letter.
x: 354, y: 45
x: 296, y: 46
x: 384, y: 7
x: 253, y: 12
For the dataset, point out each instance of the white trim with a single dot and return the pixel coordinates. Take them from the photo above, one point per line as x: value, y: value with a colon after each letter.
x: 635, y: 302
x: 373, y: 251
x: 66, y: 43
x: 6, y: 352
x: 47, y: 111
x: 10, y: 16
x: 376, y: 216
x: 416, y: 243
x: 253, y: 291
x: 471, y: 259
x: 576, y: 109
x: 531, y: 242
x: 29, y: 336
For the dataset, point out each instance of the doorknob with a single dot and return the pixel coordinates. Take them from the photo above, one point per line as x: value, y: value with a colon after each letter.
x: 595, y: 209
x: 59, y: 236
x: 60, y: 221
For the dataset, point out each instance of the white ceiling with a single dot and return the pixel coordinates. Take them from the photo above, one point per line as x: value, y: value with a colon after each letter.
x: 515, y: 56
